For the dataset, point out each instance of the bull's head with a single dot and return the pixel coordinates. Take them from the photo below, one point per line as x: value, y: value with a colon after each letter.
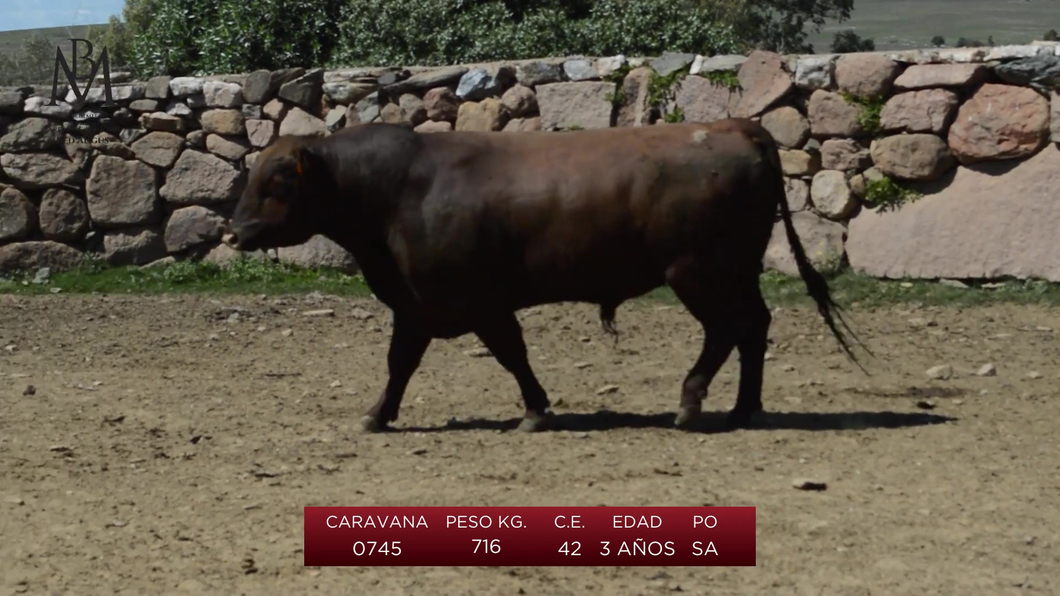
x: 280, y: 205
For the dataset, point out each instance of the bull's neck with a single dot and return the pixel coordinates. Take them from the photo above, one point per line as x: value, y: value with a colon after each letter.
x: 349, y: 198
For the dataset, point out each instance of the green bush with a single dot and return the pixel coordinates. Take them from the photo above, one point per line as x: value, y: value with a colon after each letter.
x: 230, y: 36
x: 884, y: 194
x: 649, y: 28
x: 185, y: 37
x: 436, y: 32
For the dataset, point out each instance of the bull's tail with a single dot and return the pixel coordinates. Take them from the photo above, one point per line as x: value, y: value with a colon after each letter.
x: 607, y: 320
x: 816, y: 285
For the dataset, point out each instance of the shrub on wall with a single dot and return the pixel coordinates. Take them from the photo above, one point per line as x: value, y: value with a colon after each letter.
x: 184, y: 37
x: 207, y: 36
x: 435, y: 32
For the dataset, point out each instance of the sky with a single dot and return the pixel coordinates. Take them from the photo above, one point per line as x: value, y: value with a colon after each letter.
x: 34, y: 14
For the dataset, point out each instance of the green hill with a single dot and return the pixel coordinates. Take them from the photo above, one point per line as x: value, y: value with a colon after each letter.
x: 11, y: 41
x: 905, y: 24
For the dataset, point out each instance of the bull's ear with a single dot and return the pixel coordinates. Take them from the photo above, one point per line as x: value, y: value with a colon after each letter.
x: 303, y: 162
x: 300, y: 159
x: 291, y: 168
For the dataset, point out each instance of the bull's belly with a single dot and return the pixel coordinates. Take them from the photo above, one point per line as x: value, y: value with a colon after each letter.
x: 583, y: 286
x: 457, y: 305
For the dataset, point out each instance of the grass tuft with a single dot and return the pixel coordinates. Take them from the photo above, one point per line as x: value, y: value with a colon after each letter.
x: 240, y: 276
x: 254, y: 276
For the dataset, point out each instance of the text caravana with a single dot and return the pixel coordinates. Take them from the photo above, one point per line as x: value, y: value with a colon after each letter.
x: 376, y: 522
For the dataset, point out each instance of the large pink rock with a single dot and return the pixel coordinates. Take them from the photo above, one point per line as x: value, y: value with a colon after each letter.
x: 992, y: 220
x: 929, y: 110
x: 1000, y: 122
x: 635, y: 110
x: 319, y: 252
x: 434, y: 126
x: 822, y: 240
x: 866, y: 75
x: 833, y: 116
x: 18, y: 215
x: 442, y: 104
x: 795, y: 162
x: 915, y: 156
x: 523, y: 125
x: 484, y: 116
x: 586, y: 104
x: 763, y: 81
x: 788, y: 126
x: 844, y: 154
x: 797, y: 192
x: 520, y: 101
x: 831, y: 194
x: 31, y: 256
x: 925, y: 76
x: 702, y: 100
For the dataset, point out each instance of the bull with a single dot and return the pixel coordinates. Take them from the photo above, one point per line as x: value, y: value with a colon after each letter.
x: 457, y: 232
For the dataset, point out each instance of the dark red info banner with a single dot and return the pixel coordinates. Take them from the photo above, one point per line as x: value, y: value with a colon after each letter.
x: 530, y: 536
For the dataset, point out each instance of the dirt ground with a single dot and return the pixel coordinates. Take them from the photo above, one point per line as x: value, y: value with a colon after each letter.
x: 171, y: 443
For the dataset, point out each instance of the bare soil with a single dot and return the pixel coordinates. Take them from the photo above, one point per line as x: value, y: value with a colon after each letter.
x: 170, y: 447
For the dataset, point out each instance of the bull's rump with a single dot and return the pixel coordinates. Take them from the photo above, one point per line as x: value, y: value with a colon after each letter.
x: 597, y: 216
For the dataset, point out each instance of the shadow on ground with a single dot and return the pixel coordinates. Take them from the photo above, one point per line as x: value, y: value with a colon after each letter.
x: 708, y: 423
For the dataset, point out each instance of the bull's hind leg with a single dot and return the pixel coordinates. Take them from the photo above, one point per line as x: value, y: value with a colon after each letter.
x: 407, y: 346
x: 753, y: 320
x: 503, y: 336
x: 709, y: 300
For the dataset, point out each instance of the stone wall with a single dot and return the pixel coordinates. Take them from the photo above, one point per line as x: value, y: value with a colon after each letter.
x: 973, y: 131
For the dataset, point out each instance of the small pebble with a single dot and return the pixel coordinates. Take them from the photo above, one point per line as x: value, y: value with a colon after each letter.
x: 324, y: 312
x: 941, y: 372
x: 29, y: 390
x: 478, y: 353
x: 987, y: 370
x: 361, y: 314
x: 287, y: 332
x: 805, y: 484
x: 607, y: 390
x: 1034, y: 375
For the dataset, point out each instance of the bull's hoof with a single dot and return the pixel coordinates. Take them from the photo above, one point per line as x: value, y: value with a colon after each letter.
x: 533, y: 423
x: 371, y: 424
x: 738, y: 419
x: 687, y: 417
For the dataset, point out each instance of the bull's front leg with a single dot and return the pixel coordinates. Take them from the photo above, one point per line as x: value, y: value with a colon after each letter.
x: 407, y: 346
x: 503, y: 336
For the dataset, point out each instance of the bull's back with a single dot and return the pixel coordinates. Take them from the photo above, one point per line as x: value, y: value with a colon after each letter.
x: 580, y: 216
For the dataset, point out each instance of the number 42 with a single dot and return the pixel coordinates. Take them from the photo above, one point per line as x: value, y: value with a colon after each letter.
x: 571, y: 549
